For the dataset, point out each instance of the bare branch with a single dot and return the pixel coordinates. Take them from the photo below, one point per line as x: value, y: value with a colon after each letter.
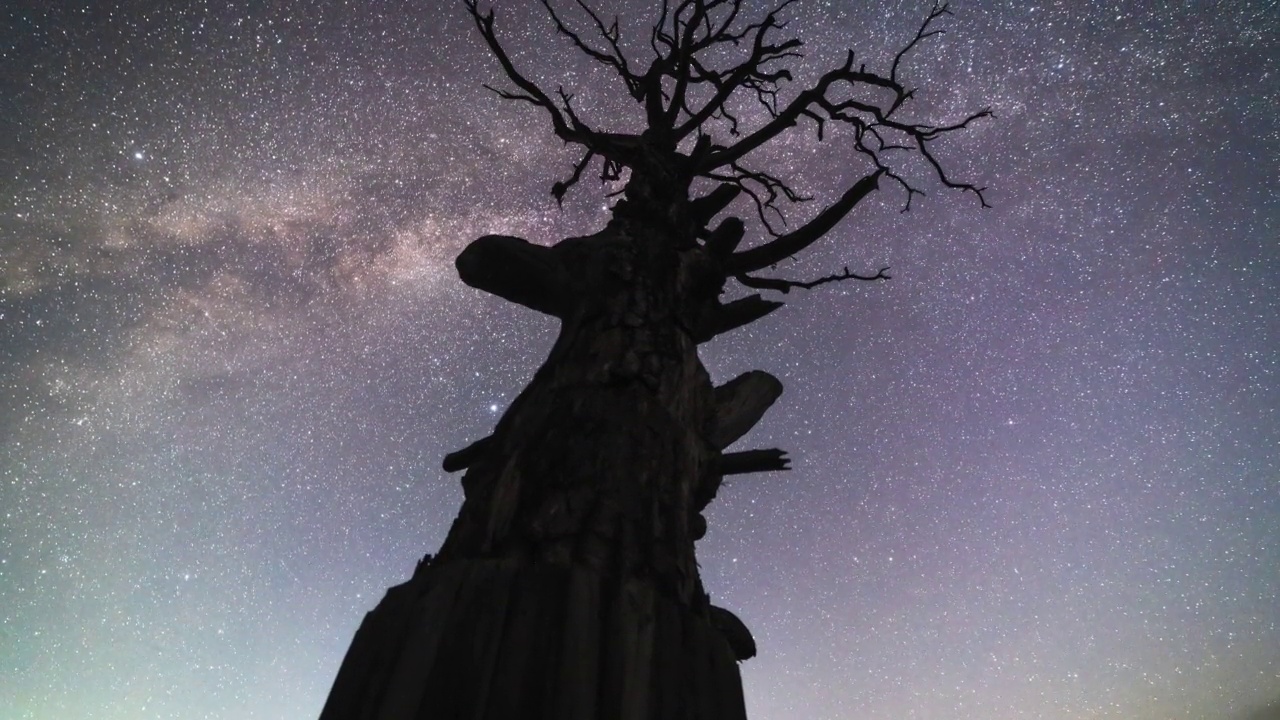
x: 800, y: 106
x: 925, y: 31
x: 560, y: 188
x: 787, y: 245
x: 613, y: 57
x: 531, y: 92
x: 869, y: 121
x: 785, y: 286
x: 749, y: 70
x: 687, y: 39
x: 764, y: 189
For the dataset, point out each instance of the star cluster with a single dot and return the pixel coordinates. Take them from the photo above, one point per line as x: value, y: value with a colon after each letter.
x: 1037, y: 474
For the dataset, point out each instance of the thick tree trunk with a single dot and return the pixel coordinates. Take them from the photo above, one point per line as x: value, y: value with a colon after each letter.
x: 567, y: 587
x: 498, y: 639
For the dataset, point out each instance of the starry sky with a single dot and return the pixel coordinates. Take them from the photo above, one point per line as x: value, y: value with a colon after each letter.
x: 1036, y: 475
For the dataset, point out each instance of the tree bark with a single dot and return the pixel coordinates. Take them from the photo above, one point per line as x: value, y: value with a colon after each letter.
x: 500, y: 639
x: 567, y: 587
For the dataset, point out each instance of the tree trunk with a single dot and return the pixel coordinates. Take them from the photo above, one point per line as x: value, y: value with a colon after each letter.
x: 567, y: 587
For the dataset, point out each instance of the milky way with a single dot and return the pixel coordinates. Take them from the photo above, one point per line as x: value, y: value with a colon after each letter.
x: 1036, y: 475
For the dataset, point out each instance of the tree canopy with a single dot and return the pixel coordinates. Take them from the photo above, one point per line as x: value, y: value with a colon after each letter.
x: 709, y: 65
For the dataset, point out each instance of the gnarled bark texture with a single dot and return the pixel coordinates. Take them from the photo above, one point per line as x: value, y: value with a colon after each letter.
x: 567, y: 587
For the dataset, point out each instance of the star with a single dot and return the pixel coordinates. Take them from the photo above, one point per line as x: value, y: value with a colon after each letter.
x: 244, y: 370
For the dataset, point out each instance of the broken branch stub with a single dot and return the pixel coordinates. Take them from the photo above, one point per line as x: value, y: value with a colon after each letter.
x: 517, y: 270
x: 740, y: 403
x: 732, y: 315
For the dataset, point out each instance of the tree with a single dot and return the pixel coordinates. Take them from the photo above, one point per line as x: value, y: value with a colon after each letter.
x: 567, y: 586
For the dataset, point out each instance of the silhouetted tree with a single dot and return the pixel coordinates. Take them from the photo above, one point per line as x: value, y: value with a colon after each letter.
x: 567, y: 587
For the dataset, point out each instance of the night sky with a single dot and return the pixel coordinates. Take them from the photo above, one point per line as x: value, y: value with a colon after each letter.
x: 1036, y: 475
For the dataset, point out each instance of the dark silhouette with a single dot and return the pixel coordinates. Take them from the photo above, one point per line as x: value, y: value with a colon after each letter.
x: 567, y: 587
